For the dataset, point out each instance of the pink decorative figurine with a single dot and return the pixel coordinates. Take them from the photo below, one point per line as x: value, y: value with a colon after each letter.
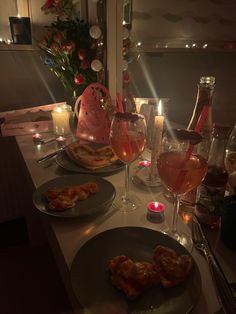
x: 94, y: 117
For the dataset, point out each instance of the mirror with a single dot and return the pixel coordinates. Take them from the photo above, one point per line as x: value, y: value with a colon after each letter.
x: 183, y: 24
x: 15, y: 9
x: 20, y: 9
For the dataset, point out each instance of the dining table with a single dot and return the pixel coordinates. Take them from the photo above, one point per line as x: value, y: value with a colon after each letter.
x: 68, y: 235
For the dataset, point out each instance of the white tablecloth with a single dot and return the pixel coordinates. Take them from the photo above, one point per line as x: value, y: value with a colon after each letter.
x: 68, y: 236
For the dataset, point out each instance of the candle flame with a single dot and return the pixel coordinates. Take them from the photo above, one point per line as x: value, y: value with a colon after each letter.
x: 156, y: 204
x: 159, y: 109
x: 18, y: 15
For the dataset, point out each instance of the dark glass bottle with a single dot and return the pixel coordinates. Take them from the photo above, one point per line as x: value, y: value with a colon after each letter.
x: 212, y: 189
x: 204, y: 98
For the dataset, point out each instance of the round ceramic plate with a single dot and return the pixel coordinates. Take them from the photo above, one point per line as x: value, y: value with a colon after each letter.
x: 66, y: 162
x: 92, y: 285
x: 94, y: 204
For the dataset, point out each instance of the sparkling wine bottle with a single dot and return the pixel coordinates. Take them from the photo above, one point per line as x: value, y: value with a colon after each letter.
x: 204, y: 98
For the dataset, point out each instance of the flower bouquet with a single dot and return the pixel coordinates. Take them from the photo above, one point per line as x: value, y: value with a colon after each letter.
x: 68, y: 47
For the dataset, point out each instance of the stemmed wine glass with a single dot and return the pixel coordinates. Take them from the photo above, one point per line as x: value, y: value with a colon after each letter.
x: 181, y: 171
x: 127, y: 139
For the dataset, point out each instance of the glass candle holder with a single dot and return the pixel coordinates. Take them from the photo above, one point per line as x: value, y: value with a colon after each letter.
x: 61, y: 117
x: 37, y: 138
x: 61, y: 142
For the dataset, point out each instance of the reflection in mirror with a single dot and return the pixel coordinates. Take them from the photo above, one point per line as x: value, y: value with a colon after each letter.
x: 172, y: 46
x: 184, y: 25
x: 16, y: 9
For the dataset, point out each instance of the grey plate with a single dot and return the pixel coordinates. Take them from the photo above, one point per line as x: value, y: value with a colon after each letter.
x: 67, y: 163
x: 92, y: 205
x: 92, y: 286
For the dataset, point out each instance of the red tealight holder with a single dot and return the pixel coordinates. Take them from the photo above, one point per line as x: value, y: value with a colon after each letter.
x: 155, y: 211
x: 145, y: 163
x: 37, y: 138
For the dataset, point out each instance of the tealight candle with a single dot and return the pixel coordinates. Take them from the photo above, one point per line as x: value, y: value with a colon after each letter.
x: 37, y: 138
x: 155, y: 211
x: 61, y: 141
x: 145, y: 163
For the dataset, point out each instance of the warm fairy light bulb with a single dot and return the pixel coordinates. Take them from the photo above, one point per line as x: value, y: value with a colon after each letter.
x: 18, y: 15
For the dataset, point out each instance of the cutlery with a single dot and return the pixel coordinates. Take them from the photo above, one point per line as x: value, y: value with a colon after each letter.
x: 225, y: 295
x: 49, y: 156
x: 48, y: 140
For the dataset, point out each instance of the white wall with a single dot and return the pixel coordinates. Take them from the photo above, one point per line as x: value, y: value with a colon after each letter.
x: 176, y: 75
x: 25, y: 81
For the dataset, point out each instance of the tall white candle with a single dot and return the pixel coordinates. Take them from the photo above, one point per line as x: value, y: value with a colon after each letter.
x: 61, y: 120
x: 157, y: 138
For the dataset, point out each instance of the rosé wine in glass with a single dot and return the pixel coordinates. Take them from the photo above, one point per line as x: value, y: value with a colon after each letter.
x: 181, y: 171
x: 128, y: 147
x: 127, y: 139
x: 172, y: 165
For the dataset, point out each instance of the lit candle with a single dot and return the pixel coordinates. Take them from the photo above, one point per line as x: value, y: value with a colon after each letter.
x: 155, y: 211
x: 157, y: 138
x: 145, y: 163
x: 37, y: 138
x: 61, y: 119
x: 187, y: 217
x: 61, y: 141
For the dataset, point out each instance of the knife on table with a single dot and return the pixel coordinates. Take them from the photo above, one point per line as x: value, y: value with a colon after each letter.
x: 49, y: 156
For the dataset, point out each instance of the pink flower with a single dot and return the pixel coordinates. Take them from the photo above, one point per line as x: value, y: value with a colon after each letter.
x: 79, y: 79
x: 68, y: 47
x: 126, y: 78
x: 49, y: 4
x: 81, y: 54
x: 54, y: 46
x: 43, y: 43
x: 58, y: 37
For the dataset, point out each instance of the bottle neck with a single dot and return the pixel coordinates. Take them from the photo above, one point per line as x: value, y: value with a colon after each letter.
x: 204, y: 98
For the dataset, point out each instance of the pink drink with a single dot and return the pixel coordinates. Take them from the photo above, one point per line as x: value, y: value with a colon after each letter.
x: 128, y: 145
x: 179, y: 175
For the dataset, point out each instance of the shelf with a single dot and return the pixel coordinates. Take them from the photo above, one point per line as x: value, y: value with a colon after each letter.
x: 15, y: 47
x: 186, y: 46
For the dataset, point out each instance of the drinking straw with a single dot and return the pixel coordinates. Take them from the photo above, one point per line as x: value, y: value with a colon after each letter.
x: 121, y: 109
x: 119, y: 102
x: 197, y: 129
x: 201, y: 119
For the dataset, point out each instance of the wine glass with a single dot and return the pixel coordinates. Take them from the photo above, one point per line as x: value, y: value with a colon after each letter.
x: 181, y: 171
x: 230, y: 160
x: 127, y: 139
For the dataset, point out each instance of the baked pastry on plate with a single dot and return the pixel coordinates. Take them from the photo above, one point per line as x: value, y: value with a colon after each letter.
x: 89, y: 157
